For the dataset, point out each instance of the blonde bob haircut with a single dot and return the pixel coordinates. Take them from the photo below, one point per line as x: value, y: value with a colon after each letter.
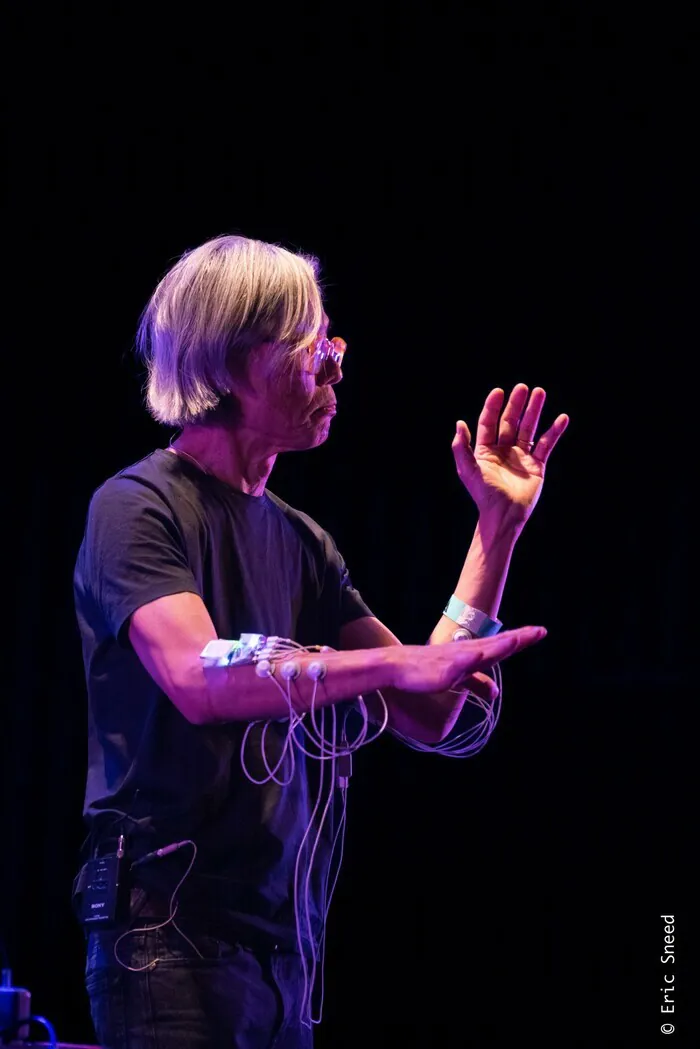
x: 210, y: 313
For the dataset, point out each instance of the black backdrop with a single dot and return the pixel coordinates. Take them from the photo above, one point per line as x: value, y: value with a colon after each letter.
x: 493, y: 201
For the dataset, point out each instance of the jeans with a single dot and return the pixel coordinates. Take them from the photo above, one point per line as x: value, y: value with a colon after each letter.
x: 234, y: 996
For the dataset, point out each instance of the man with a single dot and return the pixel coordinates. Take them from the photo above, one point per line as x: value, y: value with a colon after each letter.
x: 188, y: 546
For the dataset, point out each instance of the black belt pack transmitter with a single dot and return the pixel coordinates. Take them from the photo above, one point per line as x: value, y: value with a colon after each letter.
x: 102, y: 890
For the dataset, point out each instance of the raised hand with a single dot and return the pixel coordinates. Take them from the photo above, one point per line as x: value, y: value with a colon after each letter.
x: 504, y: 470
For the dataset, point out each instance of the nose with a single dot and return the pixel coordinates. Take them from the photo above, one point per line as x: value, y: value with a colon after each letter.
x: 329, y: 373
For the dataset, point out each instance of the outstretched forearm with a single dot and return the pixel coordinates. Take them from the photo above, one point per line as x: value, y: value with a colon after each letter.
x: 237, y: 693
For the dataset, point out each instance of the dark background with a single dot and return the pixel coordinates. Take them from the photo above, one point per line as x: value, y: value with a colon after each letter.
x: 494, y: 199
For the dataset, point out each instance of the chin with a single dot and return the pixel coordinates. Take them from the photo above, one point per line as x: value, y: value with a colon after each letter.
x: 313, y: 437
x: 317, y: 439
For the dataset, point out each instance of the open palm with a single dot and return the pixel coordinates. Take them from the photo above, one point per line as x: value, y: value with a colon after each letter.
x: 504, y: 471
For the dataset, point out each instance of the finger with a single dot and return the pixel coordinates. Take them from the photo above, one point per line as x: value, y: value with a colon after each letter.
x: 462, y: 431
x: 543, y: 448
x: 531, y: 417
x: 481, y: 685
x: 463, y: 453
x: 487, y: 429
x: 508, y: 430
x: 484, y: 652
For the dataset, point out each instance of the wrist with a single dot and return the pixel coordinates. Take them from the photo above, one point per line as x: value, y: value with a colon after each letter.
x: 499, y: 531
x: 470, y: 622
x: 388, y: 664
x: 376, y: 668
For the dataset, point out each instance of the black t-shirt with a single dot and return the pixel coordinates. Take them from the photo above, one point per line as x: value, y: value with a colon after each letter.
x: 164, y: 527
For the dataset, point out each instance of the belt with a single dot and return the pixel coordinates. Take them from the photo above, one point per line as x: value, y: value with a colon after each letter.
x: 220, y: 924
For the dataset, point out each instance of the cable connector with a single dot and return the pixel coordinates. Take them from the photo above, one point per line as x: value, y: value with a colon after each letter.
x: 291, y: 670
x: 264, y: 668
x: 157, y: 853
x: 462, y: 635
x: 344, y: 769
x: 316, y: 670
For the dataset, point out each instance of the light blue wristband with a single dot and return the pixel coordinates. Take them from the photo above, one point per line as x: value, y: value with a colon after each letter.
x: 476, y: 622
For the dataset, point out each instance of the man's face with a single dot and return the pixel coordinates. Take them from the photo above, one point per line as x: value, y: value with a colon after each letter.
x: 293, y: 411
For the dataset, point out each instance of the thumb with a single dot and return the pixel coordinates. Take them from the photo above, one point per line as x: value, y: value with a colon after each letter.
x: 462, y: 451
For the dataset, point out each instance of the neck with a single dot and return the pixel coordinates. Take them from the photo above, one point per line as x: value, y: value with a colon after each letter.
x: 238, y: 457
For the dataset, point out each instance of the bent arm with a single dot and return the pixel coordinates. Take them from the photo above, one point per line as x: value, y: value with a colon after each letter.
x: 481, y: 583
x: 168, y: 635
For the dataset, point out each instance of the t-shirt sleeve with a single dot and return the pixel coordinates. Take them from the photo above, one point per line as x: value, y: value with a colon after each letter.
x: 338, y: 581
x: 133, y: 552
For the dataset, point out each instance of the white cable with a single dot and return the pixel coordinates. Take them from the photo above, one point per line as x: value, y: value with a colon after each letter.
x: 319, y: 949
x: 285, y: 748
x: 272, y: 773
x: 470, y: 741
x: 172, y: 907
x: 339, y: 835
x: 280, y: 653
x: 308, y: 990
x: 348, y: 748
x: 307, y: 880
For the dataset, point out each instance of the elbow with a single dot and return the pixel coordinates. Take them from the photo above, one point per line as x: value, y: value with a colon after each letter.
x: 193, y: 693
x: 192, y: 702
x: 190, y: 709
x: 194, y: 713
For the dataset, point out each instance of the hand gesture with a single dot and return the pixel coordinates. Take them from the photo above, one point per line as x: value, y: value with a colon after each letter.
x: 504, y: 471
